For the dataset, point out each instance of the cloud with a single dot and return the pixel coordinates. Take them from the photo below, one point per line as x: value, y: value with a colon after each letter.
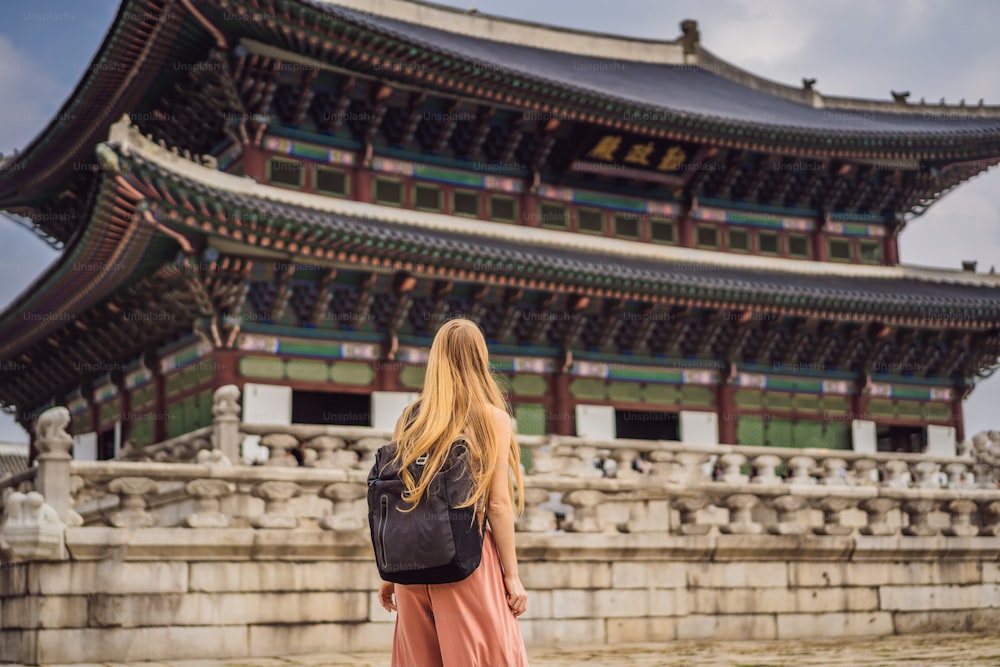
x: 31, y: 97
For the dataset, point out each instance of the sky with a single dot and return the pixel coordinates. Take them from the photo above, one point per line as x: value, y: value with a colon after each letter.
x: 858, y: 48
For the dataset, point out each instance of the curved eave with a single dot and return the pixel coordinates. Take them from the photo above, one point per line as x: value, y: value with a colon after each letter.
x: 107, y: 255
x: 459, y: 74
x: 124, y: 68
x: 194, y: 199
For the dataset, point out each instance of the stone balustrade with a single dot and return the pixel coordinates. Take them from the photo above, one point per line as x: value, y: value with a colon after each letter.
x: 623, y: 540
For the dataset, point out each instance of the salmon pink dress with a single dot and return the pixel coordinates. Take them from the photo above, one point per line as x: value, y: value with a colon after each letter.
x: 463, y: 624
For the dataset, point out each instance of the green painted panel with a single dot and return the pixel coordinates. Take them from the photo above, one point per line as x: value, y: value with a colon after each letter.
x: 909, y: 409
x: 447, y: 175
x: 308, y: 370
x: 647, y: 374
x: 82, y: 423
x: 805, y: 402
x: 881, y: 406
x: 837, y: 435
x: 110, y: 411
x: 311, y: 348
x: 938, y: 412
x: 838, y: 404
x: 530, y: 418
x: 142, y: 432
x: 609, y: 201
x: 205, y: 408
x: 587, y: 388
x: 270, y: 368
x: 748, y: 398
x: 902, y: 391
x: 750, y: 431
x: 660, y: 393
x: 412, y: 377
x: 694, y: 395
x: 777, y: 401
x: 349, y: 372
x: 175, y: 420
x: 807, y: 434
x: 191, y: 414
x: 778, y: 433
x: 529, y: 385
x: 625, y: 391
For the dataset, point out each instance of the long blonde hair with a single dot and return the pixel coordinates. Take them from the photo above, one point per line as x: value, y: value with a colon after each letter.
x: 457, y: 399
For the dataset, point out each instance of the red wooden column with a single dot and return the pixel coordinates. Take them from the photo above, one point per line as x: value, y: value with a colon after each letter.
x: 726, y: 407
x: 685, y: 226
x: 559, y: 420
x: 254, y: 164
x: 890, y: 245
x: 226, y: 368
x: 957, y: 419
x: 818, y: 239
x: 159, y: 425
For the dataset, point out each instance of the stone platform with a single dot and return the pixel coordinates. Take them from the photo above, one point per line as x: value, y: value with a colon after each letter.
x: 936, y: 650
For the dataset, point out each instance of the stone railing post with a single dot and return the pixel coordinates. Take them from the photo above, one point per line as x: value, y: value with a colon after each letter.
x: 989, y: 511
x: 956, y: 475
x: 895, y: 474
x: 226, y: 422
x: 535, y: 519
x: 279, y: 447
x: 960, y: 511
x: 691, y: 467
x: 327, y: 447
x: 787, y: 508
x: 343, y: 518
x: 801, y: 468
x: 764, y: 467
x: 732, y: 465
x: 54, y: 444
x: 878, y: 510
x: 209, y: 493
x: 278, y: 513
x: 741, y: 515
x: 927, y: 475
x: 132, y: 492
x: 584, y: 503
x: 832, y: 506
x: 834, y: 471
x: 919, y: 511
x: 688, y: 507
x: 862, y: 470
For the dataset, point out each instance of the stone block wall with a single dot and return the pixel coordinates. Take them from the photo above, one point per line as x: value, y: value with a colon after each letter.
x: 174, y: 593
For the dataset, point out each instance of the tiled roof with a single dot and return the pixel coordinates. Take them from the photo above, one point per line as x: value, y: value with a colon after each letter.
x: 911, y: 294
x: 680, y: 90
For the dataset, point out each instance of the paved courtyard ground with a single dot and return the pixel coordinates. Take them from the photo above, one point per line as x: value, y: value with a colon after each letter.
x: 952, y: 650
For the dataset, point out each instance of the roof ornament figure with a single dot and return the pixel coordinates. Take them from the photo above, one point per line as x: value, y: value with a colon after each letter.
x: 808, y: 84
x: 691, y: 37
x: 900, y: 97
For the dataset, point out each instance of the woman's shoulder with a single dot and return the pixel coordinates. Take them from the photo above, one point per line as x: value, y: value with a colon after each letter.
x: 500, y: 415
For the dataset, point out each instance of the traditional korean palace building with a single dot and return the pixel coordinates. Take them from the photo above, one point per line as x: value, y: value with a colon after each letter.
x: 292, y: 195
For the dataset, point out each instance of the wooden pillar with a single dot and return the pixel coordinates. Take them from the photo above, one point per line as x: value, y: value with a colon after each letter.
x: 726, y: 406
x: 560, y: 419
x: 529, y: 207
x: 818, y: 239
x: 957, y: 420
x: 159, y: 382
x: 125, y: 409
x: 685, y: 226
x: 226, y: 368
x: 254, y: 164
x: 890, y: 244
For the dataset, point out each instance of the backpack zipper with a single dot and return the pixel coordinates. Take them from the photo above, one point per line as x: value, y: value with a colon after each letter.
x: 384, y: 505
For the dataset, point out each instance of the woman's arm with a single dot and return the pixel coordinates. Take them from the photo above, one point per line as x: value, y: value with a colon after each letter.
x: 500, y: 513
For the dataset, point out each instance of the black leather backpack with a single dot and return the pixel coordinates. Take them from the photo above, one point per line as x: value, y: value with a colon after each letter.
x: 435, y: 543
